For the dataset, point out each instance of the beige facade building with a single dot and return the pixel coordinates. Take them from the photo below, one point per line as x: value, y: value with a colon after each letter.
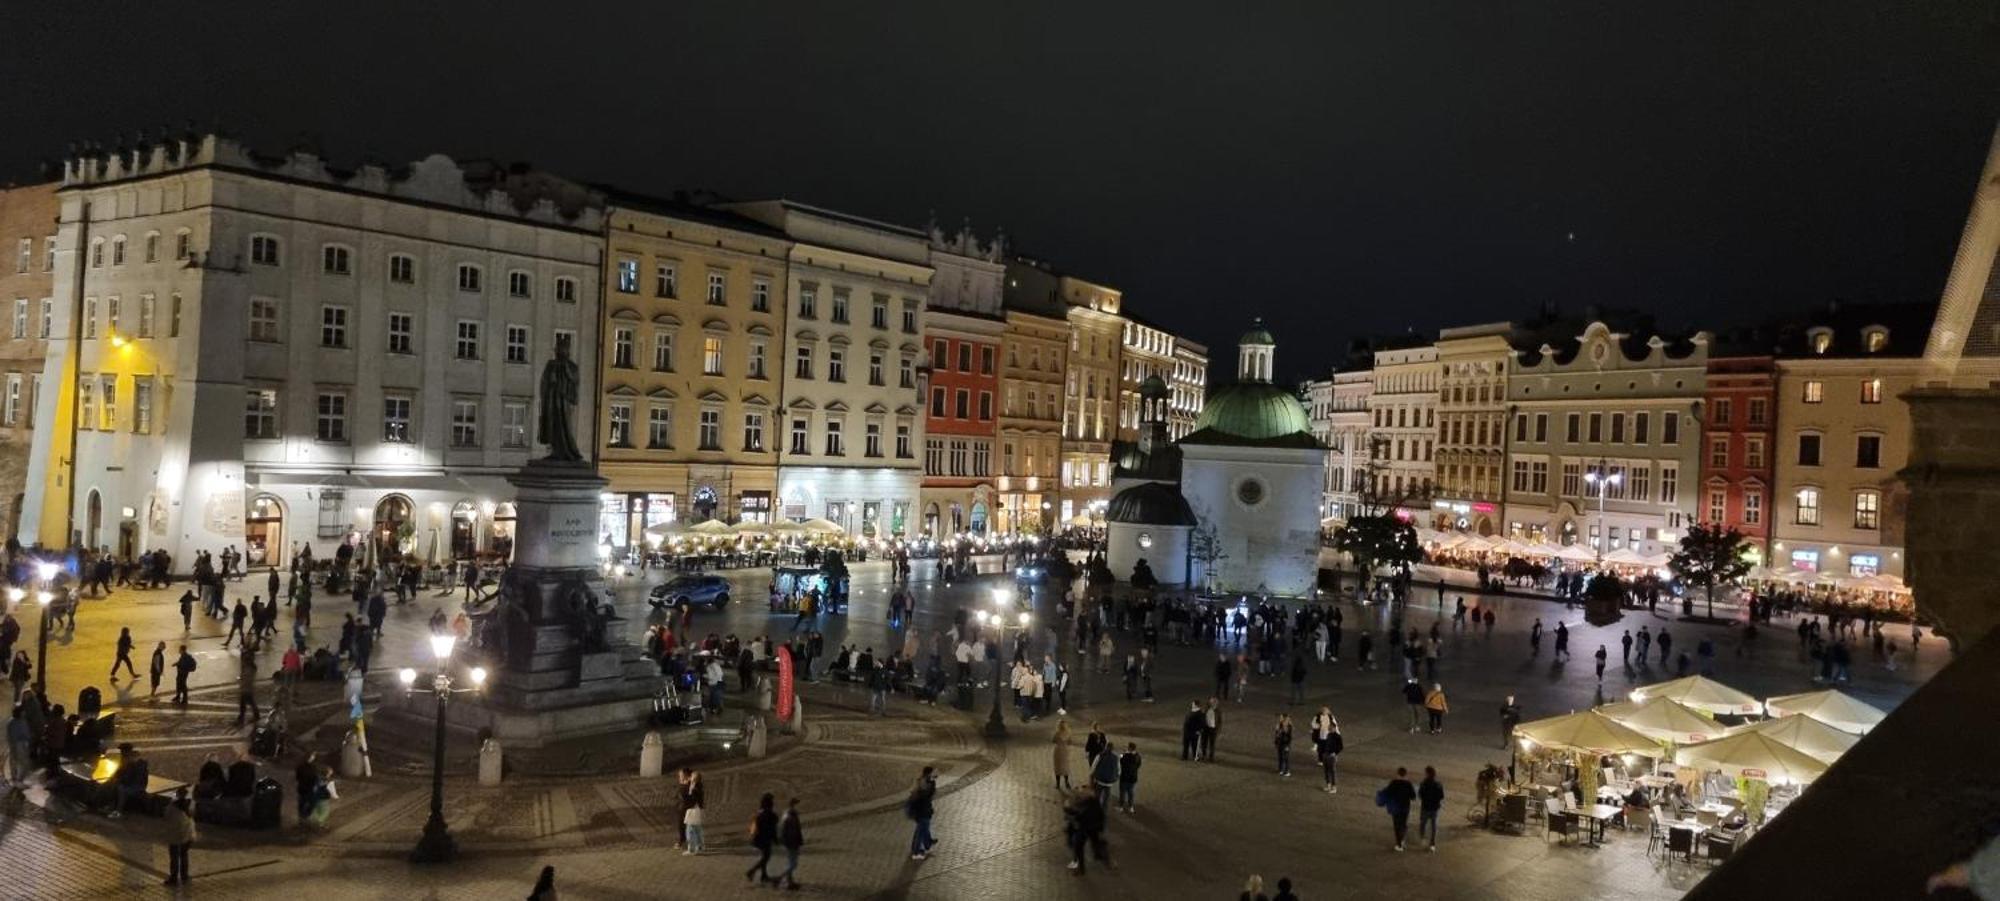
x: 27, y: 283
x: 1033, y: 348
x: 1144, y: 351
x: 1471, y: 427
x: 690, y: 363
x: 1403, y: 425
x: 1843, y: 433
x: 1350, y: 450
x: 1090, y: 392
x: 1187, y: 387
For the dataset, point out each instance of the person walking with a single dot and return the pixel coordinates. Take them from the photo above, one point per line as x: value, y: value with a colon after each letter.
x: 919, y: 809
x: 1191, y: 732
x: 763, y: 835
x: 1430, y: 798
x: 183, y: 665
x: 1395, y: 798
x: 187, y: 611
x: 181, y: 835
x: 157, y: 667
x: 246, y: 687
x: 1510, y: 716
x: 1327, y: 744
x: 1435, y: 705
x: 236, y: 618
x: 1281, y: 738
x: 1104, y: 776
x: 1562, y: 641
x: 1625, y: 643
x: 1535, y: 638
x: 1061, y: 762
x: 1084, y: 824
x: 124, y: 657
x: 1601, y: 656
x: 1128, y: 777
x: 1211, y: 728
x: 792, y: 837
x: 1413, y: 698
x: 1666, y: 643
x: 692, y: 815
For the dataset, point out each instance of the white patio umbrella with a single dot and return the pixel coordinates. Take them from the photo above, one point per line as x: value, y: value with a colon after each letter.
x: 1701, y: 693
x: 822, y: 525
x: 1665, y: 719
x: 663, y: 529
x: 1830, y: 707
x: 1589, y: 732
x: 783, y: 527
x: 1575, y: 553
x: 1803, y: 733
x: 1753, y: 755
x: 750, y: 528
x: 709, y: 527
x: 1625, y: 556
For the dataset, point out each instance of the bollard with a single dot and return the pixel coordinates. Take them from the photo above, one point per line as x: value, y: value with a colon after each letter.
x: 652, y: 755
x: 764, y: 700
x: 352, y: 764
x: 796, y: 725
x: 754, y: 734
x: 489, y: 763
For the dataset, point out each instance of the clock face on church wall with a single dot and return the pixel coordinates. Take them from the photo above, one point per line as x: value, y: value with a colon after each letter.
x: 1250, y: 492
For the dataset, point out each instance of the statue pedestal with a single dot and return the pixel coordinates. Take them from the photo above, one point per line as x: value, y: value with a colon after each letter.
x: 561, y: 668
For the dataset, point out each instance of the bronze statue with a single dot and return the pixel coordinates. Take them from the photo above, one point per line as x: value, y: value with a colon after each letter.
x: 560, y: 382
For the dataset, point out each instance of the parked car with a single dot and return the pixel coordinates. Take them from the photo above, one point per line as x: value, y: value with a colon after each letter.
x: 699, y: 591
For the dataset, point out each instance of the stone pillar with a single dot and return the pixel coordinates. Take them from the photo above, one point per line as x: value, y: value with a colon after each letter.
x: 1954, y: 512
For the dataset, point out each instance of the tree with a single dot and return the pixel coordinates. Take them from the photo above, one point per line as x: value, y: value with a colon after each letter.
x: 1205, y: 547
x: 1378, y: 539
x: 1708, y: 556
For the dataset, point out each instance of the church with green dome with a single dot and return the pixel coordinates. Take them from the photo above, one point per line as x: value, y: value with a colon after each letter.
x: 1234, y: 505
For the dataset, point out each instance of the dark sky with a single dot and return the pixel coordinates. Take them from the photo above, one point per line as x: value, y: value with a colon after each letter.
x: 1340, y: 168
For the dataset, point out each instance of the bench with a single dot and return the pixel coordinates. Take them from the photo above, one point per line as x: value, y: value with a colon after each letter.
x: 80, y: 778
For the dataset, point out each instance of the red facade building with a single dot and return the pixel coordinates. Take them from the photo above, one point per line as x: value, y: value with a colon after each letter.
x: 1739, y: 419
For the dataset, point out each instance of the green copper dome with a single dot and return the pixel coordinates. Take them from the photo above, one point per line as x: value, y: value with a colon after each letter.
x: 1150, y: 504
x: 1252, y: 412
x: 1257, y: 334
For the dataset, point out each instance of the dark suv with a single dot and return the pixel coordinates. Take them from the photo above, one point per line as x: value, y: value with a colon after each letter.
x: 699, y: 591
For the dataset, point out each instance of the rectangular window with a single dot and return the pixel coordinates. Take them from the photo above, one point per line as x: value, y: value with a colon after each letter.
x: 173, y: 324
x: 517, y: 344
x: 799, y: 436
x: 1867, y: 510
x: 1756, y: 410
x: 1670, y: 484
x: 1542, y: 426
x: 1640, y: 424
x: 906, y: 373
x: 468, y: 339
x: 1808, y: 450
x: 565, y: 290
x: 1868, y: 452
x: 10, y: 412
x: 1718, y: 451
x: 836, y: 365
x: 1520, y: 427
x: 909, y: 325
x: 86, y: 395
x: 24, y: 257
x: 839, y: 305
x: 89, y: 317
x: 964, y: 357
x: 711, y: 355
x: 1538, y: 477
x: 332, y: 326
x: 963, y: 403
x: 1808, y: 507
x: 464, y: 423
x: 1574, y: 432
x: 875, y: 369
x: 1753, y: 507
x: 985, y: 405
x: 145, y: 329
x: 263, y: 319
x: 152, y: 248
x: 514, y: 425
x: 1670, y: 428
x: 872, y: 443
x: 663, y: 351
x: 401, y: 329
x: 878, y: 314
x: 803, y: 365
x: 264, y: 250
x: 760, y: 296
x: 808, y: 300
x: 1813, y: 391
x: 1718, y: 505
x: 1521, y: 476
x: 21, y: 317
x: 1753, y: 452
x: 1641, y: 477
x: 1871, y: 391
x: 520, y: 284
x: 336, y: 260
x: 402, y: 269
x: 934, y: 456
x: 757, y: 360
x: 940, y: 354
x: 659, y: 426
x: 1596, y: 428
x: 331, y: 419
x: 112, y: 309
x: 753, y: 431
x: 396, y: 420
x: 621, y: 347
x: 260, y: 414
x: 628, y: 276
x: 1721, y: 414
x: 110, y: 421
x: 718, y: 288
x: 833, y: 442
x: 710, y: 429
x: 620, y: 432
x: 902, y: 441
x: 469, y: 278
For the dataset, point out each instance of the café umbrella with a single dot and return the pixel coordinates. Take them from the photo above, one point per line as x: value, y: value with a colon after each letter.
x: 1830, y: 707
x: 1701, y: 693
x: 1665, y: 719
x: 1803, y: 733
x: 1587, y: 732
x: 822, y: 525
x: 709, y: 527
x: 1753, y: 755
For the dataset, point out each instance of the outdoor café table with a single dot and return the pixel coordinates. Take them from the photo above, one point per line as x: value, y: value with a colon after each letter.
x: 1655, y: 782
x: 1598, y: 814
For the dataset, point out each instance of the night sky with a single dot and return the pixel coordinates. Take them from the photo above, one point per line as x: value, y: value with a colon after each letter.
x: 1342, y: 169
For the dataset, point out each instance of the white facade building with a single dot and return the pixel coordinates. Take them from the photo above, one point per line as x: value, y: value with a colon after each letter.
x: 1403, y: 426
x: 856, y: 291
x: 1349, y: 450
x: 274, y: 353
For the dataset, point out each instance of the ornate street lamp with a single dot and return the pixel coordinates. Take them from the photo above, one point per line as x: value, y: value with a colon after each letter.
x: 1602, y: 484
x: 996, y: 724
x: 437, y: 845
x: 42, y: 599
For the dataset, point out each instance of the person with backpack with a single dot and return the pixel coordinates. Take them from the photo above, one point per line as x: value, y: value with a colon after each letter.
x: 183, y: 665
x: 919, y: 809
x: 763, y: 834
x: 1395, y: 798
x: 1104, y: 775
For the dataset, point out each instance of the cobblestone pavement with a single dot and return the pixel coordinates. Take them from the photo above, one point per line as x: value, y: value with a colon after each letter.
x: 1199, y: 830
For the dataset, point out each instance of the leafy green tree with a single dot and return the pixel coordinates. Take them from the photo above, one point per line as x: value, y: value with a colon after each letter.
x: 1710, y: 556
x: 1379, y: 539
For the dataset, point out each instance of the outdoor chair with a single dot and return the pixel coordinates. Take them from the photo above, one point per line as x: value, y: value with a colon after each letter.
x: 1680, y: 841
x: 1638, y: 818
x: 1707, y: 819
x: 1656, y: 835
x: 1563, y: 824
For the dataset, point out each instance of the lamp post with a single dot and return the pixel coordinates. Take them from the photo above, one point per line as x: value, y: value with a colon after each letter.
x: 437, y: 845
x: 43, y: 597
x: 1601, y: 484
x: 996, y: 723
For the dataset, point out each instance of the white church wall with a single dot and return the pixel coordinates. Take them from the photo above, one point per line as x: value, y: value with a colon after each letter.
x: 1164, y: 548
x: 1263, y: 504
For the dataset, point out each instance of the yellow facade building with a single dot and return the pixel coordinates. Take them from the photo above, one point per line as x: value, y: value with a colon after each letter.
x: 694, y: 329
x: 1033, y: 351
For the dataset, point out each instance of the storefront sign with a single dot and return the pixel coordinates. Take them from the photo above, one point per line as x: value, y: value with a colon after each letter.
x: 784, y: 684
x: 1806, y: 560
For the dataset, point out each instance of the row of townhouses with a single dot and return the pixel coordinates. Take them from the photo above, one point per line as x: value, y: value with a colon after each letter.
x: 1602, y: 433
x: 213, y: 347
